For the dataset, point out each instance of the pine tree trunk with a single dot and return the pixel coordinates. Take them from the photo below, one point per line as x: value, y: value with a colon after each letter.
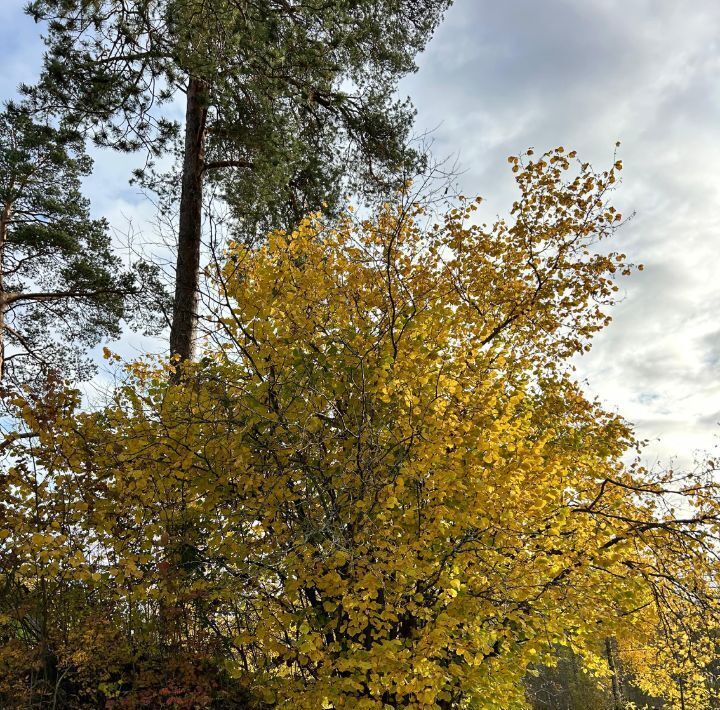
x: 2, y: 335
x: 4, y: 218
x: 185, y: 307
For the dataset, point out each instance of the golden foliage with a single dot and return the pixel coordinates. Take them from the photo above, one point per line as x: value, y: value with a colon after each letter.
x: 380, y: 487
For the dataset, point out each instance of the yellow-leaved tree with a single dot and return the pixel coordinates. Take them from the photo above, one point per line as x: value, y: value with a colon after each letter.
x: 380, y: 487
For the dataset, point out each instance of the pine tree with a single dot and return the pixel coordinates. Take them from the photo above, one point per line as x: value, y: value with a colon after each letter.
x: 288, y: 102
x: 62, y: 289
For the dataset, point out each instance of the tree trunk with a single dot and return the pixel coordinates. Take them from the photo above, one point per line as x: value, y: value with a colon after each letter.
x: 2, y: 333
x: 187, y: 276
x: 612, y: 662
x: 4, y: 219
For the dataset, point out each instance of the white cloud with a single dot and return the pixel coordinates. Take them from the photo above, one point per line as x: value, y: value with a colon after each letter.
x: 500, y: 77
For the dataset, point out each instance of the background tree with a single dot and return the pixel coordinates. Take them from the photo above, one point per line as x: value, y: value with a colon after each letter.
x: 62, y: 288
x: 566, y: 684
x: 288, y: 103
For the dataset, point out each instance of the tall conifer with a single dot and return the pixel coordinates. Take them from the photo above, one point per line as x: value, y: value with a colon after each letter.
x: 287, y: 102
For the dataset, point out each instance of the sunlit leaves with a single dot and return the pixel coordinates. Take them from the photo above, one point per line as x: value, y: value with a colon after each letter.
x: 381, y: 487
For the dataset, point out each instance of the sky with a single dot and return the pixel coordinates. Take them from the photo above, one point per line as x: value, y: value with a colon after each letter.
x: 502, y: 76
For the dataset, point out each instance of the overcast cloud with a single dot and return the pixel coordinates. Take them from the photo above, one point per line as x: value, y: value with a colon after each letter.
x: 506, y: 75
x: 500, y: 77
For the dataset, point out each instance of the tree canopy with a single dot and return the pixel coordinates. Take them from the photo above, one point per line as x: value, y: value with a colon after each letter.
x: 379, y: 487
